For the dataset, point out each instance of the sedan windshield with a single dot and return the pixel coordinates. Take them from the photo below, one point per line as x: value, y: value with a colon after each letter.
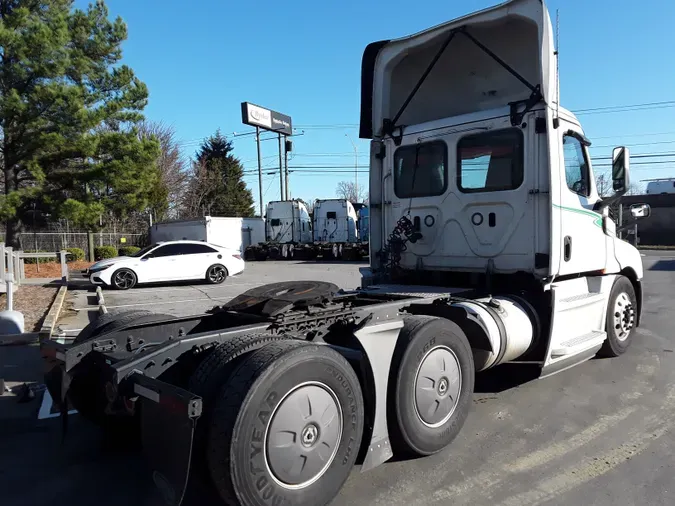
x: 143, y: 251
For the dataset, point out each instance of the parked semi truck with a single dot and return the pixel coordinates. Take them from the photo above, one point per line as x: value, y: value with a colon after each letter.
x: 489, y: 244
x: 288, y: 229
x: 335, y: 229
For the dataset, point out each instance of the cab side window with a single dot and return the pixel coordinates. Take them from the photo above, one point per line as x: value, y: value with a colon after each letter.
x: 576, y: 166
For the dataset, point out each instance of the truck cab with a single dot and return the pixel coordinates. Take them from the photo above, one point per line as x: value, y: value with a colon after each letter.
x: 479, y: 178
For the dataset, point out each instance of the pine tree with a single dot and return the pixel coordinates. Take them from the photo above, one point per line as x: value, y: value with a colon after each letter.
x: 217, y: 186
x: 68, y: 111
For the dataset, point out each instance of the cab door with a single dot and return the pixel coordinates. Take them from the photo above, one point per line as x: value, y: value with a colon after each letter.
x: 583, y: 242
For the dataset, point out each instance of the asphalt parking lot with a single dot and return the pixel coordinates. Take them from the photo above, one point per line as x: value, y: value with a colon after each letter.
x: 598, y: 434
x: 194, y: 298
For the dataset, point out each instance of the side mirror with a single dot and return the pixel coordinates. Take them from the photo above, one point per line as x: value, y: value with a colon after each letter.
x: 620, y: 169
x: 640, y: 210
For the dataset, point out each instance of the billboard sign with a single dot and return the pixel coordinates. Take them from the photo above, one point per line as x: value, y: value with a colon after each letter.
x: 267, y: 119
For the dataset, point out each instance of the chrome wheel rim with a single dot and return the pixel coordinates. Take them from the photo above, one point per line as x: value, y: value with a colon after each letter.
x: 437, y: 386
x: 624, y: 316
x: 124, y: 279
x: 303, y: 435
x: 217, y: 274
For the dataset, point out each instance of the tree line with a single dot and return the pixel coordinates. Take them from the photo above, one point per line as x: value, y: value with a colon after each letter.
x: 74, y: 144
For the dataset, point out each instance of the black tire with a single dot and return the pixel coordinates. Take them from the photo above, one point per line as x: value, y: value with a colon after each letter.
x: 216, y: 274
x: 99, y: 325
x: 254, y: 401
x: 621, y: 318
x: 123, y: 279
x: 214, y: 371
x: 421, y: 336
x: 87, y: 391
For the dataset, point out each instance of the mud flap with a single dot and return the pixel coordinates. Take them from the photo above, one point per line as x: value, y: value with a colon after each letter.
x: 168, y: 418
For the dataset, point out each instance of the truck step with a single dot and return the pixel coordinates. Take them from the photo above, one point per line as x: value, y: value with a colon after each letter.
x: 579, y: 344
x: 582, y: 299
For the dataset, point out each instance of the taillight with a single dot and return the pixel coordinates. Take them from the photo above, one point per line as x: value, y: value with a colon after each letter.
x: 238, y: 257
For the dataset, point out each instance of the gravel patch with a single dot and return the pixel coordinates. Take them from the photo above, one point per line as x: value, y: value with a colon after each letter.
x: 33, y: 302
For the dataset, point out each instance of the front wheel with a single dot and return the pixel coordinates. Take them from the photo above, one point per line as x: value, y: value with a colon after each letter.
x: 287, y: 427
x: 124, y: 279
x: 216, y: 274
x: 621, y: 318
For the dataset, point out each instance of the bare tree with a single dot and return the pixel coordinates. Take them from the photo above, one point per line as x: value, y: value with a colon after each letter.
x: 171, y: 163
x: 348, y: 190
x: 309, y: 204
x: 197, y: 196
x: 605, y: 189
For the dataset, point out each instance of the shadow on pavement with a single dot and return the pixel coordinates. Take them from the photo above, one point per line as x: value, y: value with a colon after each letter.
x: 663, y: 265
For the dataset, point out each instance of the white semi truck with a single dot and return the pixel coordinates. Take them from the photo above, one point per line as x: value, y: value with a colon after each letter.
x: 335, y: 228
x: 288, y: 228
x: 489, y: 244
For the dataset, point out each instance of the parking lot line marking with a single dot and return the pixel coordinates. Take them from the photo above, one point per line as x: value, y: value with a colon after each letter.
x: 488, y: 479
x: 589, y: 469
x: 145, y: 289
x: 164, y: 302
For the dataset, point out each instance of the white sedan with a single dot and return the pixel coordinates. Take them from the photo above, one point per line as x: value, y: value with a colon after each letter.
x: 168, y: 261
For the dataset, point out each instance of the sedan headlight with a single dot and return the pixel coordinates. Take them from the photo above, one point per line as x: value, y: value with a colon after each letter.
x: 93, y: 269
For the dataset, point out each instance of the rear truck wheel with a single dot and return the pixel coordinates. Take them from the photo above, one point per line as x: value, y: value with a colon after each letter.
x: 112, y: 319
x: 87, y: 392
x: 214, y: 371
x: 123, y: 279
x: 284, y: 251
x: 431, y: 384
x: 621, y: 318
x: 216, y: 274
x: 287, y: 427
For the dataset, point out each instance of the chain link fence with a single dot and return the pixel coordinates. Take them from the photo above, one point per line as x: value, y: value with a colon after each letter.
x: 55, y: 241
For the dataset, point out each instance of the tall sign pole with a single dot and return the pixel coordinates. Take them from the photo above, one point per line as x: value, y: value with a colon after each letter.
x: 260, y: 192
x: 288, y: 147
x: 281, y: 172
x: 272, y: 121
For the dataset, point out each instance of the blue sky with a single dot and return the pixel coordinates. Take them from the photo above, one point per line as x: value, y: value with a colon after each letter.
x: 201, y: 59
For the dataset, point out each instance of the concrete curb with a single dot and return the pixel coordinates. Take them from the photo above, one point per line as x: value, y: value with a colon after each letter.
x: 49, y: 323
x: 100, y: 301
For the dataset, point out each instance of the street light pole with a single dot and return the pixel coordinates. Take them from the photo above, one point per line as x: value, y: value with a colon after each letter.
x: 356, y: 167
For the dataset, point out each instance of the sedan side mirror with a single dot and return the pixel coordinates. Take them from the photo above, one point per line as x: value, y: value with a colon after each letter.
x: 640, y: 210
x: 620, y: 169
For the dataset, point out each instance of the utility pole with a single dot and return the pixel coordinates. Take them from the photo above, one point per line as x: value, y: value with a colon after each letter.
x: 260, y: 190
x: 356, y: 167
x: 281, y: 172
x: 289, y: 147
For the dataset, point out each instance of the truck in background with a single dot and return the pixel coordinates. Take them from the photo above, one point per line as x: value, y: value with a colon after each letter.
x: 660, y: 186
x: 335, y: 228
x: 490, y: 244
x: 234, y: 233
x: 288, y: 232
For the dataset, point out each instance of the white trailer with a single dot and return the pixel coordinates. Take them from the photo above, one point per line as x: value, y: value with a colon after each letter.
x: 288, y: 229
x: 228, y: 232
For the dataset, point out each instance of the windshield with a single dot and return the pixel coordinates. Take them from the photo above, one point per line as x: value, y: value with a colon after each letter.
x: 144, y: 251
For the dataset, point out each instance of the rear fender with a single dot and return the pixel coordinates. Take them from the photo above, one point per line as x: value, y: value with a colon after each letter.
x: 378, y: 342
x: 474, y: 329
